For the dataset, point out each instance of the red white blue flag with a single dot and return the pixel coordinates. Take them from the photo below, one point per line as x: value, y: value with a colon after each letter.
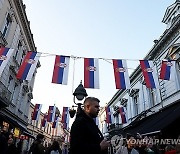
x: 51, y: 113
x: 44, y: 120
x: 91, y: 73
x: 123, y: 115
x: 149, y: 73
x: 28, y: 66
x: 5, y: 54
x: 65, y: 115
x: 66, y: 126
x: 121, y: 74
x: 37, y: 111
x: 55, y: 123
x: 109, y: 115
x: 167, y: 69
x: 61, y: 69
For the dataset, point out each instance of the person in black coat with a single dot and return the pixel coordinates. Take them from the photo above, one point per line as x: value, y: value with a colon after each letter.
x: 85, y: 136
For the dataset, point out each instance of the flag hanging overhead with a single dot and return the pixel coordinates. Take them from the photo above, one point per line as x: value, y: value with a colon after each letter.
x: 51, y: 113
x: 28, y: 66
x: 36, y: 112
x: 54, y: 125
x: 121, y: 74
x: 44, y: 120
x: 149, y: 73
x: 109, y: 115
x: 167, y: 69
x: 5, y: 54
x: 65, y: 115
x: 123, y: 115
x: 91, y: 73
x: 61, y: 69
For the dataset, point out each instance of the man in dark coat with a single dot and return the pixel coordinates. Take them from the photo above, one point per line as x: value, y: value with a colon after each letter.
x: 86, y: 137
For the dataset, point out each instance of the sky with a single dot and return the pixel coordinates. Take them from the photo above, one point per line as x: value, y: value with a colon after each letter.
x: 109, y: 29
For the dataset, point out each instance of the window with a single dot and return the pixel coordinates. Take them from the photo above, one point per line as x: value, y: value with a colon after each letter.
x: 152, y: 96
x: 135, y: 102
x: 15, y: 94
x: 6, y: 25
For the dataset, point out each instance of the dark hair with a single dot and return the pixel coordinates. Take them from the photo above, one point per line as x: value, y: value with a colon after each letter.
x: 40, y: 136
x: 55, y: 146
x: 91, y: 99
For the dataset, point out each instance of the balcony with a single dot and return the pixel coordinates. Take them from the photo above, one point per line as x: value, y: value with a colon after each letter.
x: 3, y: 41
x: 5, y: 96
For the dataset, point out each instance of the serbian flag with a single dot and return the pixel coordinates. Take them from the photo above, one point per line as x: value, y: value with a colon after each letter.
x: 91, y: 73
x: 61, y: 69
x: 109, y: 115
x: 149, y: 73
x: 5, y: 54
x: 123, y: 115
x: 28, y: 66
x: 65, y: 115
x: 121, y: 74
x: 51, y: 113
x: 167, y: 69
x: 44, y: 121
x: 66, y: 126
x: 96, y: 120
x: 54, y: 125
x: 37, y: 111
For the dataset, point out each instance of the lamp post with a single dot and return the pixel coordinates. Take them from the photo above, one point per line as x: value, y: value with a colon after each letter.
x: 79, y: 94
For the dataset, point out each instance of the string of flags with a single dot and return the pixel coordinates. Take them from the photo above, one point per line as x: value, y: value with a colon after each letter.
x: 91, y: 70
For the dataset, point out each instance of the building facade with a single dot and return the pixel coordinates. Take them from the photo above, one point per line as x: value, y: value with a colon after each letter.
x: 153, y: 111
x: 15, y: 95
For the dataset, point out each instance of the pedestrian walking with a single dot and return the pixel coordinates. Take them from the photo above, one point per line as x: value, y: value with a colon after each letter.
x: 86, y: 137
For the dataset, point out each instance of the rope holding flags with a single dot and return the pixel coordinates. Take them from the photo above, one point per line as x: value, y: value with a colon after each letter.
x: 91, y: 69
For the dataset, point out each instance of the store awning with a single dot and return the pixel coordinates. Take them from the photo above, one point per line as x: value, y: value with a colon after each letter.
x: 156, y: 122
x: 28, y: 134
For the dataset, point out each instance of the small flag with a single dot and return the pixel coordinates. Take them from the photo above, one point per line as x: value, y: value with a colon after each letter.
x: 55, y: 123
x: 109, y: 115
x: 167, y: 69
x: 123, y: 115
x: 61, y: 69
x: 51, y: 113
x: 96, y: 120
x: 149, y: 73
x: 28, y: 66
x: 5, y: 54
x: 44, y: 120
x: 65, y: 115
x: 91, y: 73
x: 37, y: 111
x: 121, y: 74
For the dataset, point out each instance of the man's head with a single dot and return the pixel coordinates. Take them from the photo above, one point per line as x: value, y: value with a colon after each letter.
x: 91, y: 106
x: 40, y: 137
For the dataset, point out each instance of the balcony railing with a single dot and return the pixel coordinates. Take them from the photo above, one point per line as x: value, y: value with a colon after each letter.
x: 5, y: 96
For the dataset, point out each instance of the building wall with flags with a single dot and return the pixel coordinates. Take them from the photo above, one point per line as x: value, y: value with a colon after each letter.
x: 140, y: 102
x: 15, y: 94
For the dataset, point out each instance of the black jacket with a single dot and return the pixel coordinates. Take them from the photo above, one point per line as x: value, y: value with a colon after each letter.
x: 85, y: 136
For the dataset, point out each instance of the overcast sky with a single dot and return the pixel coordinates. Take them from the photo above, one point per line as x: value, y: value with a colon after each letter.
x: 121, y: 29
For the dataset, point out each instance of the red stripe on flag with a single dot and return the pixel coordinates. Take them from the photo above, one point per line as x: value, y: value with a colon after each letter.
x: 23, y: 66
x: 145, y: 73
x: 116, y: 74
x: 163, y: 70
x: 1, y: 51
x: 56, y: 69
x: 86, y: 72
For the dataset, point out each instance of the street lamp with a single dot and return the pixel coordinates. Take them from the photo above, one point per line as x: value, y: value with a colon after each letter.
x: 79, y: 94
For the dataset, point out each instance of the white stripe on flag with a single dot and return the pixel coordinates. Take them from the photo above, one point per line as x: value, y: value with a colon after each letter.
x: 66, y: 70
x: 33, y: 67
x: 126, y: 75
x: 96, y: 74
